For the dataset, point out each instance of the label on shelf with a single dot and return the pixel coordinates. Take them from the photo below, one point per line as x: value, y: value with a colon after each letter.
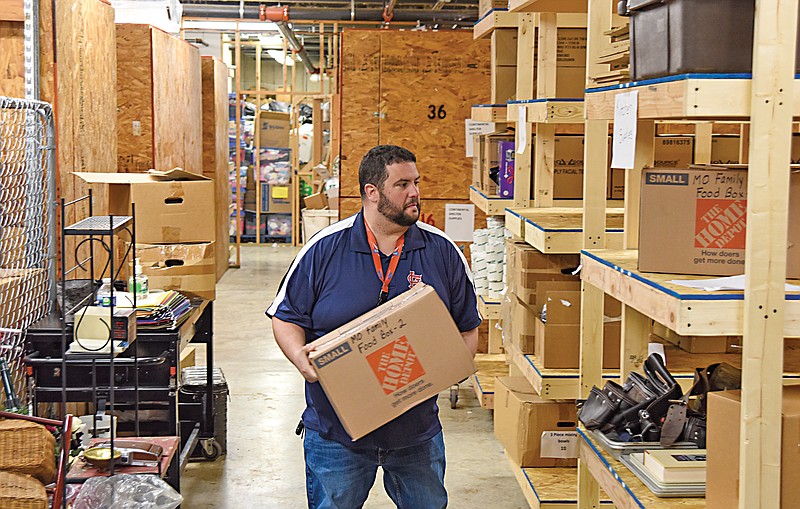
x: 559, y: 444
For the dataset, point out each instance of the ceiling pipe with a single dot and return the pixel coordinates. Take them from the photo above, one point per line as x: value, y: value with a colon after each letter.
x: 253, y: 12
x: 298, y: 48
x: 388, y: 11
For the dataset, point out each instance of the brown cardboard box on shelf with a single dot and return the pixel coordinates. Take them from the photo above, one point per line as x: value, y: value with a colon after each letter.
x: 568, y: 168
x: 489, y: 159
x: 668, y: 152
x: 186, y: 268
x: 521, y: 417
x: 316, y: 201
x: 705, y: 208
x: 524, y: 322
x: 274, y: 129
x: 22, y: 293
x: 725, y: 150
x: 532, y: 266
x: 175, y: 207
x: 722, y: 475
x: 558, y: 340
x: 390, y: 359
x: 697, y: 344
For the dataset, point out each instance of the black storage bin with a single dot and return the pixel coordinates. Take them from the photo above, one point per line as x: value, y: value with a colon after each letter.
x: 670, y: 37
x: 194, y: 388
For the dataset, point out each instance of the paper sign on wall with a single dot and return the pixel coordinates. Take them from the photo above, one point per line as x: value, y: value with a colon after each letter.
x: 522, y: 129
x: 459, y: 221
x: 559, y: 444
x: 474, y: 128
x: 625, y: 112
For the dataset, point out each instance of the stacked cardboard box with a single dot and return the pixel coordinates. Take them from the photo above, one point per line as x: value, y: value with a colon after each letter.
x: 535, y: 432
x: 557, y: 326
x: 488, y: 262
x: 175, y: 228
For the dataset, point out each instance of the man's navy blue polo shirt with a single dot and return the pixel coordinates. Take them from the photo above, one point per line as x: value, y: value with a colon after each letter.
x: 333, y: 280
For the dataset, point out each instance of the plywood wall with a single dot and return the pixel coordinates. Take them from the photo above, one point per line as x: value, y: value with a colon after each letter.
x: 215, y: 150
x: 359, y: 102
x: 426, y: 85
x: 134, y: 98
x: 82, y: 90
x: 159, y: 101
x: 177, y: 104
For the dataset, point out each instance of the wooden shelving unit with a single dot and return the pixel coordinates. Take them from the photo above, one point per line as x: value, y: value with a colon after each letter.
x: 490, y: 366
x: 550, y: 488
x: 763, y: 313
x: 578, y: 6
x: 684, y: 310
x: 559, y: 230
x: 497, y: 18
x: 489, y: 112
x: 547, y: 111
x: 624, y: 488
x: 489, y: 205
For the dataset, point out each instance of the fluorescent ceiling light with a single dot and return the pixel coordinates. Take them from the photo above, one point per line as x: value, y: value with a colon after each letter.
x: 244, y: 26
x: 275, y: 41
x: 278, y: 56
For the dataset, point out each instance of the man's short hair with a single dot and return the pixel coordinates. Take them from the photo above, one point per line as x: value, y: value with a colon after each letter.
x: 373, y: 166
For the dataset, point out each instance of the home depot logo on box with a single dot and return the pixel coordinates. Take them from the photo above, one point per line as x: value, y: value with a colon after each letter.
x: 396, y: 365
x: 721, y: 224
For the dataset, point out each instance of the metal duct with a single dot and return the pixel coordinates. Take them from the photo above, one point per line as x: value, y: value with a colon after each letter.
x: 252, y: 12
x: 287, y: 34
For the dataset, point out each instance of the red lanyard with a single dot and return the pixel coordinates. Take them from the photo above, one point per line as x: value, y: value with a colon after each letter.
x: 376, y: 258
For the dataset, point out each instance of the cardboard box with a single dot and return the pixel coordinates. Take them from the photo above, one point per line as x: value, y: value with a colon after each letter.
x: 668, y: 152
x: 274, y: 129
x: 524, y: 325
x: 520, y: 418
x: 568, y: 168
x: 723, y: 438
x: 171, y: 207
x: 706, y: 210
x: 186, y: 268
x: 23, y: 292
x: 558, y: 346
x: 725, y: 150
x: 276, y: 199
x: 505, y: 169
x: 316, y: 201
x: 557, y: 343
x: 490, y: 162
x: 390, y: 359
x: 696, y: 344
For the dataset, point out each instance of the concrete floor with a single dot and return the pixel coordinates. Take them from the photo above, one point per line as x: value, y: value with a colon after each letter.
x: 264, y: 465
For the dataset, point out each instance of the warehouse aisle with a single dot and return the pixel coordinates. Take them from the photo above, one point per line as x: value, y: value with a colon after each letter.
x: 264, y: 466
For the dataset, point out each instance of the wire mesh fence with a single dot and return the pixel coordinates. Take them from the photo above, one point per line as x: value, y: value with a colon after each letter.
x: 26, y: 135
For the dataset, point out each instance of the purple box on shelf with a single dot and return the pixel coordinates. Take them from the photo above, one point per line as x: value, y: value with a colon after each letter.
x: 505, y: 172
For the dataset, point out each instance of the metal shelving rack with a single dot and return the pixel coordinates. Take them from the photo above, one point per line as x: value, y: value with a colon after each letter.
x: 95, y: 228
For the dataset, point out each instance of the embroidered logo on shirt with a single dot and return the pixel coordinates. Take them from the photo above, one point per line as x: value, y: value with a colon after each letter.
x: 396, y: 365
x: 413, y: 279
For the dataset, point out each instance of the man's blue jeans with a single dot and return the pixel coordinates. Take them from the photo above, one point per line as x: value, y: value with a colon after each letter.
x: 340, y: 477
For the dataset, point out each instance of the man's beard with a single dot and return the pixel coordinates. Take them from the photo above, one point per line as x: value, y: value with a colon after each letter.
x: 396, y: 214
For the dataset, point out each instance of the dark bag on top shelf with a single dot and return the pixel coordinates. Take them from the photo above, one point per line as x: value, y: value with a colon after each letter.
x: 632, y: 410
x: 652, y: 407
